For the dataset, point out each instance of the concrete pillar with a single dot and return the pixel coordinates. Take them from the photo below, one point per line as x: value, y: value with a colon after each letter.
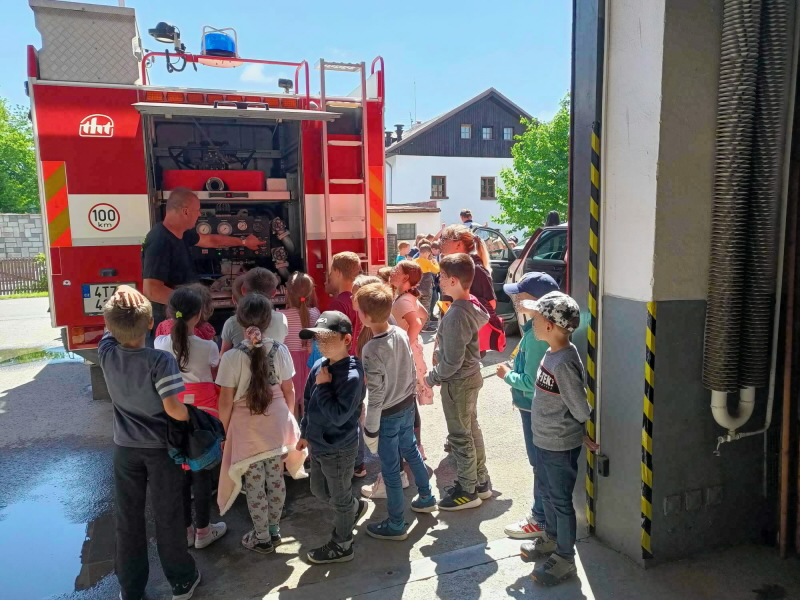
x: 659, y: 120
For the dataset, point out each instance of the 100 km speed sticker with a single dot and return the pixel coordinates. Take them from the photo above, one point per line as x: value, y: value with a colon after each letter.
x: 103, y: 217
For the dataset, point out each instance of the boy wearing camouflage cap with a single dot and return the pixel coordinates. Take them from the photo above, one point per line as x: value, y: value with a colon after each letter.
x: 558, y: 413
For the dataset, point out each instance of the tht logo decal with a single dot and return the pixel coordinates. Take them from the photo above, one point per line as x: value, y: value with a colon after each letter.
x: 96, y: 126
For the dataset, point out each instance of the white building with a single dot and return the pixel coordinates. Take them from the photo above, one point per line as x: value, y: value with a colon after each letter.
x: 453, y: 160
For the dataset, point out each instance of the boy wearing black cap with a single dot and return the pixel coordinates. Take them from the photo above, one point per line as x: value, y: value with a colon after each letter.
x: 333, y: 397
x: 522, y: 379
x: 558, y: 413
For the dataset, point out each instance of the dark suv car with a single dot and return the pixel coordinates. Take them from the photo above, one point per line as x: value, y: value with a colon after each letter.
x: 546, y: 251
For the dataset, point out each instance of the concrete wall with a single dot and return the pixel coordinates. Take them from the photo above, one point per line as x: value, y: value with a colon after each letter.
x: 427, y: 222
x: 634, y: 54
x: 20, y: 236
x: 659, y: 123
x: 409, y: 181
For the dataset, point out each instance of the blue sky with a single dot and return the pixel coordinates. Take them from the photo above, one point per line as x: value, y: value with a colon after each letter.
x: 452, y: 49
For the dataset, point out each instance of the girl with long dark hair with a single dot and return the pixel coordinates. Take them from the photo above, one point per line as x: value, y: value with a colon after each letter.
x: 256, y: 406
x: 198, y: 360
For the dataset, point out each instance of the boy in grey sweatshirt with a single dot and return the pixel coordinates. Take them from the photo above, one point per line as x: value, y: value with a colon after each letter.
x: 389, y: 421
x: 457, y: 369
x: 559, y: 410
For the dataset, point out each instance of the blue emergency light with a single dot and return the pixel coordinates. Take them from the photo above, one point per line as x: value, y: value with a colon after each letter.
x: 221, y: 43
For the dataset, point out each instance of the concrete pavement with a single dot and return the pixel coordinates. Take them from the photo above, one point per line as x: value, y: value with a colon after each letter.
x: 56, y: 517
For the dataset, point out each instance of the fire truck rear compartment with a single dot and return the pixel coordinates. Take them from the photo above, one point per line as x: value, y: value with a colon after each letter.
x: 246, y: 173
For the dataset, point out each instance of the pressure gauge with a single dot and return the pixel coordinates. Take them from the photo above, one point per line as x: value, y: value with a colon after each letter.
x: 241, y: 225
x: 224, y: 228
x: 258, y: 226
x: 203, y: 228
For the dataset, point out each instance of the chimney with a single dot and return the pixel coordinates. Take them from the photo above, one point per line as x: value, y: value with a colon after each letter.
x: 387, y: 138
x: 399, y: 131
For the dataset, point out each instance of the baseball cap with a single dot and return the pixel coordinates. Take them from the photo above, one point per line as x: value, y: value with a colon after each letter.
x: 558, y: 308
x: 330, y: 320
x: 535, y: 283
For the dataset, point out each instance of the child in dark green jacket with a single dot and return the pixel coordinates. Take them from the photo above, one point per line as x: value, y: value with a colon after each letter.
x: 522, y: 379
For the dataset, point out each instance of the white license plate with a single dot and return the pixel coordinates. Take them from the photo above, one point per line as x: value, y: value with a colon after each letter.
x: 95, y: 295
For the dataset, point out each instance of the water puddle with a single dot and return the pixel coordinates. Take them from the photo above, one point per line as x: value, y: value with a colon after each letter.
x: 43, y: 551
x: 17, y: 356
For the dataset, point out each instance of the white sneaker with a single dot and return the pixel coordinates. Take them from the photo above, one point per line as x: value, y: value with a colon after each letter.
x: 215, y: 531
x: 190, y: 534
x: 377, y: 490
x: 525, y: 529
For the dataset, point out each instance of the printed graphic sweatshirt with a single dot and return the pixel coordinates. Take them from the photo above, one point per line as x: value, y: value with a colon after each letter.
x: 560, y: 407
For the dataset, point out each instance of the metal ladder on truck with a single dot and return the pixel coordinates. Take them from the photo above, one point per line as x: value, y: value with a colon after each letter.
x: 363, y: 181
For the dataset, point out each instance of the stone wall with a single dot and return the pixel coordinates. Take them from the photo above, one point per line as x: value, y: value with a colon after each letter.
x: 20, y: 236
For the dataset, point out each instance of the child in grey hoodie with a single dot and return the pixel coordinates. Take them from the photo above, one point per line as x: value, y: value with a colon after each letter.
x: 558, y: 413
x: 457, y: 369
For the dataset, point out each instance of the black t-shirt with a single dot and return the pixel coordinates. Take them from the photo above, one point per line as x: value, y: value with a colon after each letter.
x: 482, y: 287
x: 168, y: 259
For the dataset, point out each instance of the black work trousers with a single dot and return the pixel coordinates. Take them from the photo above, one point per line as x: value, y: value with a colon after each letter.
x: 134, y: 470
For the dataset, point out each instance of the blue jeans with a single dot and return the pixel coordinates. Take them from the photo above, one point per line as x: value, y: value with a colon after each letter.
x: 537, y: 508
x: 397, y: 434
x: 558, y: 472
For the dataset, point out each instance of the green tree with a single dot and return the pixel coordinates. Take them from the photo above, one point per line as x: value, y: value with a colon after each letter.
x: 18, y: 184
x: 539, y: 180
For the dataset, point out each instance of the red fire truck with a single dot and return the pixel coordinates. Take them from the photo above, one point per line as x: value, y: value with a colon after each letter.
x: 303, y: 172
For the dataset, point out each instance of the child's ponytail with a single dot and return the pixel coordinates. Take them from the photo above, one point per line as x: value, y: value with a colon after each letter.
x: 300, y: 294
x: 254, y: 313
x: 184, y: 305
x: 413, y: 271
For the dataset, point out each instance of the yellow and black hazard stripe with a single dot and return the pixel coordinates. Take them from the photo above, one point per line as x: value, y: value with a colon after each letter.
x: 591, y: 359
x: 647, y: 430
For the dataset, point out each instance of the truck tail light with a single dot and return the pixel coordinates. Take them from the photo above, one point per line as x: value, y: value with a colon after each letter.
x: 154, y: 96
x: 211, y: 98
x: 272, y: 102
x: 90, y: 334
x: 195, y: 98
x: 175, y: 97
x: 289, y: 102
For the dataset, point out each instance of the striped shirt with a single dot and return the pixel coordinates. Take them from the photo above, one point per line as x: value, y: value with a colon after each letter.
x: 293, y: 341
x: 139, y: 380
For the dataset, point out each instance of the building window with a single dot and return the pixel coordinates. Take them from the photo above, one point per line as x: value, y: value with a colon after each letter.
x: 488, y: 188
x: 406, y: 231
x: 488, y: 133
x: 438, y: 186
x: 508, y: 134
x: 466, y: 132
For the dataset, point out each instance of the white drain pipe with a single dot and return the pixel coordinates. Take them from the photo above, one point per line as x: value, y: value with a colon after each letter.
x: 719, y: 408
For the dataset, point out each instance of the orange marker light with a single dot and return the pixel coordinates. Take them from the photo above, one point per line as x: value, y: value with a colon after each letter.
x: 252, y: 99
x: 289, y: 102
x: 211, y: 98
x: 234, y: 98
x: 272, y: 102
x: 175, y: 97
x: 195, y: 98
x: 154, y: 96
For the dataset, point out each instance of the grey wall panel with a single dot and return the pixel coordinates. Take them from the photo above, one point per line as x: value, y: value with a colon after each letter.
x: 622, y: 387
x: 684, y: 438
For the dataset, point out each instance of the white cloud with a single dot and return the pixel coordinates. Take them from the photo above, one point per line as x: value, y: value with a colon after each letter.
x: 254, y: 72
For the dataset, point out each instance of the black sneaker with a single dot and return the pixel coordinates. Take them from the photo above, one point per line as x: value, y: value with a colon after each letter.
x: 484, y: 490
x: 360, y: 471
x: 458, y: 499
x: 184, y: 591
x: 363, y: 507
x: 275, y: 539
x: 331, y: 553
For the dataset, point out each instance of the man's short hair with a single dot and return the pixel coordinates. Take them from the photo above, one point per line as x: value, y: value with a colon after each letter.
x: 127, y: 323
x: 425, y: 248
x: 180, y: 198
x: 459, y: 266
x: 465, y: 212
x: 375, y: 300
x: 348, y: 264
x: 260, y: 281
